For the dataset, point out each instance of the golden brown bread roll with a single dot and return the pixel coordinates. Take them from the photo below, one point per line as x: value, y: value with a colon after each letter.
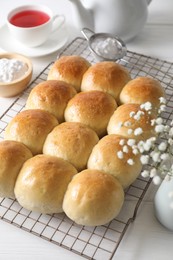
x: 92, y: 108
x: 141, y: 90
x: 52, y: 96
x: 93, y: 198
x: 104, y: 157
x: 131, y: 121
x: 42, y: 182
x: 106, y: 76
x: 72, y: 142
x: 69, y: 69
x: 31, y: 128
x: 12, y: 155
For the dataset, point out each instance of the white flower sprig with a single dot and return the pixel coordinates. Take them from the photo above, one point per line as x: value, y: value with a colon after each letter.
x: 158, y: 152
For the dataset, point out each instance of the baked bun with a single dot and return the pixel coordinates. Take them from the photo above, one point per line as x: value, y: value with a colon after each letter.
x: 93, y: 198
x: 105, y: 157
x: 92, y: 108
x: 69, y: 69
x: 141, y: 90
x: 106, y: 76
x: 131, y: 121
x: 52, y: 96
x: 42, y: 182
x: 13, y: 155
x: 31, y: 128
x: 72, y: 142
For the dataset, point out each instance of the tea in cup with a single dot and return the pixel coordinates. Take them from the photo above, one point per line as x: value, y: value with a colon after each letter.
x: 32, y: 25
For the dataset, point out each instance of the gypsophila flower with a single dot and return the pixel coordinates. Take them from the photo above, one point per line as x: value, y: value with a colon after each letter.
x: 148, y: 145
x: 120, y: 155
x: 159, y: 128
x: 167, y: 128
x: 157, y: 180
x: 153, y: 121
x: 162, y: 146
x: 135, y: 151
x: 162, y: 100
x: 170, y: 141
x: 147, y: 106
x: 125, y: 149
x: 162, y: 108
x: 138, y: 115
x: 122, y: 142
x: 130, y: 161
x: 145, y: 173
x: 165, y: 156
x: 155, y: 156
x: 140, y: 146
x: 171, y: 132
x: 132, y: 113
x: 131, y: 142
x: 138, y: 131
x: 159, y: 121
x: 145, y: 159
x: 152, y: 139
x: 153, y: 172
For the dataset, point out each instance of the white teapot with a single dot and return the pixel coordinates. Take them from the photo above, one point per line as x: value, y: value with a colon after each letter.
x: 124, y: 18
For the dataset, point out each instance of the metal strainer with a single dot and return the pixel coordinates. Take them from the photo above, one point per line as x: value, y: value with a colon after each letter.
x: 104, y: 45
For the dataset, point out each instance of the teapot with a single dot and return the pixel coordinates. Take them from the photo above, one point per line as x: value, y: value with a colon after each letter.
x: 124, y: 18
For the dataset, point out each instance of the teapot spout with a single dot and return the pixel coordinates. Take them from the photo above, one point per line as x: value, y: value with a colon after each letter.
x: 83, y: 16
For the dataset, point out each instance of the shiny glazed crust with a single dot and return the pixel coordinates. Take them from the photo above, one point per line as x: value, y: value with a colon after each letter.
x: 93, y: 198
x: 93, y: 108
x: 69, y: 69
x: 31, y: 128
x: 51, y: 96
x: 42, y: 182
x: 71, y: 141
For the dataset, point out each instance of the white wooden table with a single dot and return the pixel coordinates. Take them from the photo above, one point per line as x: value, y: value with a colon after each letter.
x: 145, y: 238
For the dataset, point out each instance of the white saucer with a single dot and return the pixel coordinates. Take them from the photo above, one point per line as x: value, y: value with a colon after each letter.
x: 54, y: 43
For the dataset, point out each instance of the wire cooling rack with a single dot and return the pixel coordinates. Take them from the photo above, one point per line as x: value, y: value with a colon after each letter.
x: 90, y: 242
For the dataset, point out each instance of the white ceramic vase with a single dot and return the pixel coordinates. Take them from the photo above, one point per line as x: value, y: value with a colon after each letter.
x: 162, y: 204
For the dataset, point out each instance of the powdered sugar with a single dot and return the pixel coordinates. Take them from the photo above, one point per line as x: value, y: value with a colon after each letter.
x: 107, y: 48
x: 11, y: 69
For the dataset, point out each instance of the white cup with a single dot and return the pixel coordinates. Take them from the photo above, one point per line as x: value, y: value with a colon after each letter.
x: 35, y: 35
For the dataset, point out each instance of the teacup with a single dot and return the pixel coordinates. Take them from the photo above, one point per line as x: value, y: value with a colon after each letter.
x: 32, y: 25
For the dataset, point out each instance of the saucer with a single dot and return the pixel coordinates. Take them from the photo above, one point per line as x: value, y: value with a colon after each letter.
x: 54, y: 43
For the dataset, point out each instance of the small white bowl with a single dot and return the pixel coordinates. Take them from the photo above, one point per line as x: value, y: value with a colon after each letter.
x: 13, y: 88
